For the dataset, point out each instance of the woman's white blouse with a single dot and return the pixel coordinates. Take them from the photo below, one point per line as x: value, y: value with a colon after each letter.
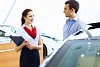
x: 27, y: 37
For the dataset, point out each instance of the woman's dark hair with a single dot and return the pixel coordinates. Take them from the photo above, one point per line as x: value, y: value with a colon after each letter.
x: 73, y: 4
x: 24, y: 14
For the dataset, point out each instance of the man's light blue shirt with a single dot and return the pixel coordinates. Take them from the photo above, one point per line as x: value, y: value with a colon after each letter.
x: 71, y: 26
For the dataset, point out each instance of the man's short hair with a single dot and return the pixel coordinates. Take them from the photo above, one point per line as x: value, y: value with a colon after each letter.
x: 73, y: 4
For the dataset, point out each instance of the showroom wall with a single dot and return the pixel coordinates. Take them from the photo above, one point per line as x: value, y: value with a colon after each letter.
x: 49, y: 16
x: 89, y: 11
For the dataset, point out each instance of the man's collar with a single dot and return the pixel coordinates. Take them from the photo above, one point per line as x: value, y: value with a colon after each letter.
x: 75, y: 18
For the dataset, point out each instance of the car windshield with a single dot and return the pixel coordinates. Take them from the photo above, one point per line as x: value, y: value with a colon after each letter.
x: 78, y: 53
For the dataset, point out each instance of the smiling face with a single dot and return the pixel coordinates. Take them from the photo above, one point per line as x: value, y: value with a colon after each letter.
x: 29, y: 18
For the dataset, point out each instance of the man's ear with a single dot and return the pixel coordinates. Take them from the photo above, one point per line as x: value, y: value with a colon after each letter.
x: 73, y: 10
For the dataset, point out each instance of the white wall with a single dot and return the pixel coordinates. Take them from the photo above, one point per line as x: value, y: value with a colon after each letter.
x: 48, y: 14
x: 90, y: 11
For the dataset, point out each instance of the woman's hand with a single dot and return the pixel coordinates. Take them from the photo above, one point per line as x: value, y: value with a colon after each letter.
x: 25, y: 43
x: 18, y: 48
x: 31, y: 47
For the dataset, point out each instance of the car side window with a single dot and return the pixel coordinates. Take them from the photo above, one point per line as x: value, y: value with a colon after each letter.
x: 2, y: 33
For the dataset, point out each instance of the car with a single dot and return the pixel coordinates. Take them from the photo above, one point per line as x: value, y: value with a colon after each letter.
x: 77, y: 52
x: 5, y: 31
x: 49, y: 43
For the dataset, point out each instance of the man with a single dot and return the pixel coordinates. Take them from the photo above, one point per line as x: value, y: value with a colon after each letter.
x: 73, y: 24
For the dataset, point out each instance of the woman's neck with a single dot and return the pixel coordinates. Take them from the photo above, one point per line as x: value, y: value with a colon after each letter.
x: 29, y: 26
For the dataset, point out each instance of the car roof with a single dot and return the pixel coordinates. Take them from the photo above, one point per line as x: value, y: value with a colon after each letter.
x: 1, y: 25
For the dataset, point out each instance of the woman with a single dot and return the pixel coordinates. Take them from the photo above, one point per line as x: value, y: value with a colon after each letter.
x: 29, y: 56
